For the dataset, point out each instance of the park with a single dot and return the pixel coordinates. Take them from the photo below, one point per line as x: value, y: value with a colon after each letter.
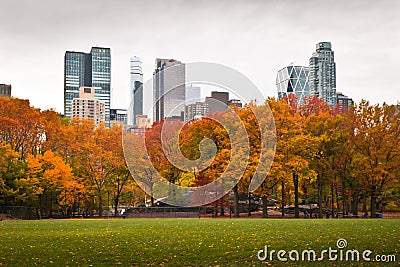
x: 346, y: 165
x: 189, y: 242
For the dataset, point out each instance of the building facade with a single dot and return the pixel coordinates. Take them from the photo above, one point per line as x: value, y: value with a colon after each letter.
x: 196, y: 110
x: 192, y: 94
x: 119, y: 116
x: 322, y: 78
x: 343, y: 103
x: 235, y: 103
x: 90, y: 70
x: 87, y: 107
x: 293, y: 80
x: 5, y: 90
x: 218, y: 102
x: 136, y: 90
x: 168, y: 89
x: 142, y: 122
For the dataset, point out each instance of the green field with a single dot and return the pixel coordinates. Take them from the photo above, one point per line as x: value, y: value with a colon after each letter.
x: 189, y: 242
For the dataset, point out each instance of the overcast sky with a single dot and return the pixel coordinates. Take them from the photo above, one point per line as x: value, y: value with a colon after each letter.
x: 256, y: 38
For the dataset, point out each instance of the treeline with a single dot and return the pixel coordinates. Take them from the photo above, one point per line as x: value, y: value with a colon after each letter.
x: 348, y: 162
x: 57, y: 165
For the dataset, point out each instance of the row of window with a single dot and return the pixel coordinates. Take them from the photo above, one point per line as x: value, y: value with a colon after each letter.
x: 5, y: 91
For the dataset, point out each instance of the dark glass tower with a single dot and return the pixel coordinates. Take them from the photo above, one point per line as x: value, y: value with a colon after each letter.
x: 87, y: 69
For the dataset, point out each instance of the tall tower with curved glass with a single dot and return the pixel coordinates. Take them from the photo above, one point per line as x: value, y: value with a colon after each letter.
x: 323, y: 73
x: 293, y: 80
x: 136, y: 90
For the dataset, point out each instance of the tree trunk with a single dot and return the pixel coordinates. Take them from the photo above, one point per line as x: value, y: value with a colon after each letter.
x: 249, y: 206
x: 364, y: 208
x: 236, y: 199
x: 151, y: 195
x: 116, y: 201
x: 100, y: 205
x: 319, y: 197
x: 51, y: 204
x: 332, y: 201
x: 337, y: 202
x: 41, y: 206
x: 344, y: 199
x: 222, y: 211
x: 296, y: 195
x: 355, y: 203
x: 265, y: 206
x: 373, y: 205
x: 283, y: 199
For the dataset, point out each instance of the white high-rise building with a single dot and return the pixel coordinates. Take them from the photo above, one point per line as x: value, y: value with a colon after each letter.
x: 322, y: 77
x: 136, y: 90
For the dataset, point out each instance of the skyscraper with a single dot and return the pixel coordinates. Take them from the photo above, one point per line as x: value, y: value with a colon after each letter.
x: 293, y: 80
x: 91, y: 70
x: 168, y: 89
x: 322, y: 77
x: 136, y: 90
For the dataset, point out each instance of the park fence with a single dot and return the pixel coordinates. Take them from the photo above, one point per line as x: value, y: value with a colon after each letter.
x: 18, y: 212
x: 163, y: 212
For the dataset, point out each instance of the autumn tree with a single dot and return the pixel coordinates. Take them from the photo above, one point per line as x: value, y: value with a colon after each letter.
x: 97, y: 157
x: 11, y: 170
x: 319, y: 124
x: 376, y: 146
x: 21, y: 126
x: 51, y: 178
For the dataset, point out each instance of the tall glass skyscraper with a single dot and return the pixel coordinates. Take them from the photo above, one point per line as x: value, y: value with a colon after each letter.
x: 168, y: 89
x: 322, y: 78
x: 136, y: 90
x: 293, y: 80
x: 87, y: 69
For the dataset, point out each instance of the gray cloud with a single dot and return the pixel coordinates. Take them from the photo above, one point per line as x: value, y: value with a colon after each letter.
x: 255, y: 37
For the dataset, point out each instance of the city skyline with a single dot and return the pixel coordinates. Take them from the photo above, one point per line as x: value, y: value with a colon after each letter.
x: 249, y: 38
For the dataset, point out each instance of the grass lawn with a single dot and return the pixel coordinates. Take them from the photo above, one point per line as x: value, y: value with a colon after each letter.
x: 189, y: 242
